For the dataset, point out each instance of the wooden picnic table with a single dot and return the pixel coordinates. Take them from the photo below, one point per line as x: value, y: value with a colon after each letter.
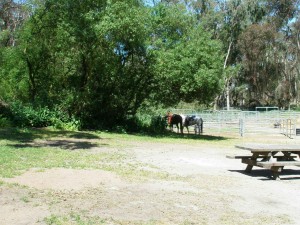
x: 269, y: 156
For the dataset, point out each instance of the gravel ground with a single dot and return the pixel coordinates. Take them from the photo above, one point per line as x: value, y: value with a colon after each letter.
x: 202, y: 187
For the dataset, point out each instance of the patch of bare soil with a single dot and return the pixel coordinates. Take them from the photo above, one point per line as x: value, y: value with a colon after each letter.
x: 65, y: 179
x: 204, y: 187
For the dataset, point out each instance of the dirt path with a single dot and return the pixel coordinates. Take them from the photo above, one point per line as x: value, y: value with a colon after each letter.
x: 202, y: 187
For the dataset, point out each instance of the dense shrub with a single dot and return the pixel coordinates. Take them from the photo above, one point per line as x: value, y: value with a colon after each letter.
x: 21, y: 115
x: 143, y: 123
x: 4, y: 122
x: 158, y: 124
x: 28, y: 116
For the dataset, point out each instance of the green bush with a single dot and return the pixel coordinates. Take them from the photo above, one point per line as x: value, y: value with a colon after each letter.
x: 29, y: 116
x: 158, y: 124
x: 71, y: 125
x: 4, y: 122
x: 142, y: 123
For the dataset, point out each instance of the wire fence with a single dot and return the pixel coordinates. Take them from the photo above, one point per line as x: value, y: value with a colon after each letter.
x: 245, y: 123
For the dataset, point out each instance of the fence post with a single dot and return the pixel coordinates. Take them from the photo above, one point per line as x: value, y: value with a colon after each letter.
x: 242, y: 127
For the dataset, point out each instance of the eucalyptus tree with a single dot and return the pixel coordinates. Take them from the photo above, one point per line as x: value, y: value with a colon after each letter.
x: 259, y: 65
x: 12, y: 15
x: 295, y: 49
x: 287, y: 91
x: 269, y: 72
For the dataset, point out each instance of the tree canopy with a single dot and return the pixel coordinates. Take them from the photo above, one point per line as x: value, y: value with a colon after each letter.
x: 100, y: 61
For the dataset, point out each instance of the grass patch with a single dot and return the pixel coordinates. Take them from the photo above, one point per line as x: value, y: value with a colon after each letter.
x: 74, y: 219
x: 70, y: 149
x: 15, y: 161
x: 171, y: 138
x: 29, y: 135
x: 77, y: 219
x: 18, y: 153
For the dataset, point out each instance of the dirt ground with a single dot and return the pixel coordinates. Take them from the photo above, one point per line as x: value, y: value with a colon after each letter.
x: 203, y: 187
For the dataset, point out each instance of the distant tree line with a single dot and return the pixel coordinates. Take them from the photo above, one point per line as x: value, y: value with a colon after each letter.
x: 100, y: 62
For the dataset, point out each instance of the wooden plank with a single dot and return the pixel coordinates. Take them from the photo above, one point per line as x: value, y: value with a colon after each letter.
x: 269, y: 147
x: 238, y: 156
x: 250, y: 162
x: 259, y: 157
x: 278, y: 164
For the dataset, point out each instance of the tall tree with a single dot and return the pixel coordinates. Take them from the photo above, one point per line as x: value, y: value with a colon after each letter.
x: 188, y: 67
x: 261, y: 69
x: 12, y: 15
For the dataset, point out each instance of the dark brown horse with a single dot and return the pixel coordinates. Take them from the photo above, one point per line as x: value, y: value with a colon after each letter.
x: 175, y: 119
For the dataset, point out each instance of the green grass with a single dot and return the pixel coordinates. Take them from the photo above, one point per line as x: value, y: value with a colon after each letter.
x: 14, y: 160
x: 69, y: 149
x: 27, y: 135
x: 74, y: 219
x: 18, y: 152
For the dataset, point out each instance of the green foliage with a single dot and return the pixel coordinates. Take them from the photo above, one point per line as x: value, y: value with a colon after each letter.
x: 190, y: 70
x: 13, y: 80
x: 29, y: 116
x: 5, y: 122
x: 96, y: 63
x: 158, y: 124
x: 71, y: 125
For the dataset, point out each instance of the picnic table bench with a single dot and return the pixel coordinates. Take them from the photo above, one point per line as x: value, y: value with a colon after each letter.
x: 270, y: 156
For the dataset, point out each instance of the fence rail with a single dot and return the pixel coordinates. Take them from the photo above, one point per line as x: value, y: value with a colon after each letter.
x: 249, y: 122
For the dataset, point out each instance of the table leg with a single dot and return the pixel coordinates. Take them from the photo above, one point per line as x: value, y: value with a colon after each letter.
x: 251, y: 162
x: 248, y: 169
x: 275, y: 172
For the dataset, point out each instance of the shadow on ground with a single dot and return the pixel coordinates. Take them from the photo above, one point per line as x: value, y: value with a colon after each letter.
x: 29, y: 135
x: 186, y: 136
x: 265, y: 175
x: 74, y: 140
x: 63, y: 144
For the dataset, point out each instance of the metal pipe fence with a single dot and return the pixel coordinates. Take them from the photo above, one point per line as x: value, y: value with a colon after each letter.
x: 244, y: 123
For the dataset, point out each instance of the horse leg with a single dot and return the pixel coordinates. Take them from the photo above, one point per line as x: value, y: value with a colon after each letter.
x: 198, y: 129
x: 201, y: 126
x: 177, y: 127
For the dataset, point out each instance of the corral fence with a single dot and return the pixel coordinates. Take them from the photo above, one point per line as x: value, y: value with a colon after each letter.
x: 244, y: 123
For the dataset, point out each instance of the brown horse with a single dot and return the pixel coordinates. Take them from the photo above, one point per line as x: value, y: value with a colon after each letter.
x: 174, y: 119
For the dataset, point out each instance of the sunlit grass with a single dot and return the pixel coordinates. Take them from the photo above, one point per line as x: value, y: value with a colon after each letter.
x: 20, y: 150
x: 80, y: 219
x: 14, y: 161
x: 74, y: 219
x: 18, y: 153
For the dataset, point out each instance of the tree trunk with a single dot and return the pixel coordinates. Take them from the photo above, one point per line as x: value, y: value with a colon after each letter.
x: 227, y: 81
